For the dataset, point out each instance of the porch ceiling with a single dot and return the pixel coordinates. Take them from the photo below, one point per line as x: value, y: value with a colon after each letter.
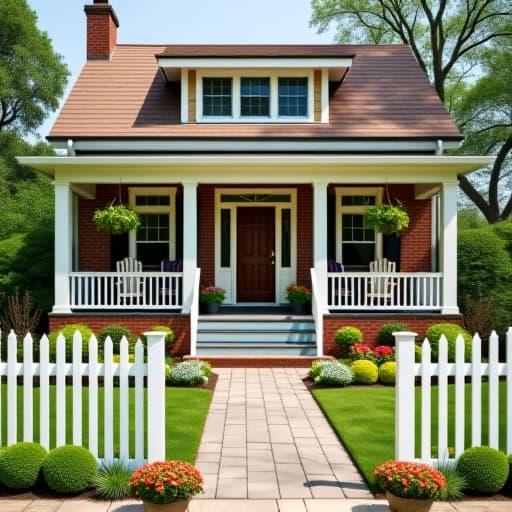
x: 257, y: 168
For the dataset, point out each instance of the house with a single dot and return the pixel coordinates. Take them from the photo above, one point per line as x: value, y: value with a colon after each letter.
x: 252, y: 166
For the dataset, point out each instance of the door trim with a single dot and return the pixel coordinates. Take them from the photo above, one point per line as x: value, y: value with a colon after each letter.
x: 226, y: 276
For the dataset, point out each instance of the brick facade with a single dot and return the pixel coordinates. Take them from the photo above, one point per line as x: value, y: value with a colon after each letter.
x: 102, y: 26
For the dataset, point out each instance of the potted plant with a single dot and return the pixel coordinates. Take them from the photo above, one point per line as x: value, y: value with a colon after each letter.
x: 166, y: 486
x: 213, y: 297
x: 116, y: 219
x: 387, y: 218
x: 299, y: 296
x: 409, y: 486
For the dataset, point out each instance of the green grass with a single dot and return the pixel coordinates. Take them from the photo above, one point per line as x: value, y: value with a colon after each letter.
x: 363, y: 417
x: 186, y: 410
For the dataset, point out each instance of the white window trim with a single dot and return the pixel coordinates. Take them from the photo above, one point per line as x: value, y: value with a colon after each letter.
x: 355, y: 191
x: 133, y: 192
x: 236, y: 75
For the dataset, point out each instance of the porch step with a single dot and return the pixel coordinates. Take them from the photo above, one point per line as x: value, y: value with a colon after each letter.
x: 255, y: 361
x: 265, y: 335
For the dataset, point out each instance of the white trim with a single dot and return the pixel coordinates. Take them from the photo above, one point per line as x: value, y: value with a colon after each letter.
x: 184, y: 96
x: 236, y: 76
x: 448, y: 251
x: 287, y: 274
x: 325, y: 97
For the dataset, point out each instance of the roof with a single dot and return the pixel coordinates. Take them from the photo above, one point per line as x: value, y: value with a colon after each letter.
x: 384, y: 95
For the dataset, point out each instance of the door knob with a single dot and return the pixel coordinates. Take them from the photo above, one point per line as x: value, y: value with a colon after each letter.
x: 272, y: 257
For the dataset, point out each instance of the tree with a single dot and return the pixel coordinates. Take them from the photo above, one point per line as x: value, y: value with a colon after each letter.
x: 446, y: 38
x: 32, y: 75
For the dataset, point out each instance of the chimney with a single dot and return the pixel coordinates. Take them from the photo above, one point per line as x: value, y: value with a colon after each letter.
x: 102, y: 26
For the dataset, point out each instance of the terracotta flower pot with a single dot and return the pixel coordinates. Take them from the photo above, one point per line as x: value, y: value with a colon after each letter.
x: 398, y: 504
x: 177, y: 506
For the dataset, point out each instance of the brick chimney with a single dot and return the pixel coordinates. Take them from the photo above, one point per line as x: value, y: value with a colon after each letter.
x: 102, y: 26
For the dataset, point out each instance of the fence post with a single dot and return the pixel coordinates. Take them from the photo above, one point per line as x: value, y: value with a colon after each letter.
x: 404, y: 395
x: 156, y: 395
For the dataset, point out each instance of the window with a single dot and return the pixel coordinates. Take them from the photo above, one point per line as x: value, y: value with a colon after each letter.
x: 358, y: 242
x: 255, y: 97
x: 217, y: 97
x: 293, y: 97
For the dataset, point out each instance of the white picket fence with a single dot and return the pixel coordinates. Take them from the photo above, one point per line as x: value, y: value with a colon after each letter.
x: 54, y: 378
x: 460, y: 372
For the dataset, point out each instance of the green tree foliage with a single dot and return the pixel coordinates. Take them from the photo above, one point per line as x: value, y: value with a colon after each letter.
x: 32, y: 75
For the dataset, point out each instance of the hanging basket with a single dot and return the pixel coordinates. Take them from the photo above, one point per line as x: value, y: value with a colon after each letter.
x: 387, y: 218
x: 116, y: 219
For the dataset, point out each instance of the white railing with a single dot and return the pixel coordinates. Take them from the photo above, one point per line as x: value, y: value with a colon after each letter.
x: 194, y: 312
x: 476, y: 371
x: 412, y: 291
x: 130, y: 290
x: 54, y: 404
x: 318, y: 316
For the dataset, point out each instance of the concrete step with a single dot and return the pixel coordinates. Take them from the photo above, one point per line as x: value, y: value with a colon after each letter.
x: 252, y: 336
x: 258, y: 361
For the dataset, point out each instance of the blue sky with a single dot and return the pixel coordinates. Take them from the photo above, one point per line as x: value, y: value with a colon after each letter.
x: 178, y: 21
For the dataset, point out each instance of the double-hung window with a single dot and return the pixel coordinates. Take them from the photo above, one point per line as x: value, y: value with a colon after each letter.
x: 293, y: 97
x: 217, y: 97
x: 255, y: 96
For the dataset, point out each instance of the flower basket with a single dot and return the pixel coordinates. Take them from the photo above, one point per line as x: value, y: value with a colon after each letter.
x: 166, y: 482
x: 298, y: 293
x: 212, y: 295
x: 387, y: 218
x: 116, y: 219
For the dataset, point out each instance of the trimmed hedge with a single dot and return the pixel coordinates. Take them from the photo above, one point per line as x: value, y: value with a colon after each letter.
x: 385, y: 334
x: 346, y: 336
x: 20, y: 465
x: 365, y: 372
x: 68, y: 331
x: 387, y: 373
x: 116, y: 333
x: 451, y: 331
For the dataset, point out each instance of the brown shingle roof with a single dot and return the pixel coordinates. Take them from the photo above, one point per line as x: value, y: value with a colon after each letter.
x: 384, y: 94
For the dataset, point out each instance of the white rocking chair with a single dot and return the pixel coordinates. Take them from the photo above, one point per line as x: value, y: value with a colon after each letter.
x: 130, y: 289
x: 381, y: 288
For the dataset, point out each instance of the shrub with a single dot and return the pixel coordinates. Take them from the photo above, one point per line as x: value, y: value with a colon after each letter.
x: 189, y: 373
x: 20, y: 465
x: 169, y: 337
x: 346, y: 337
x: 116, y: 332
x: 69, y: 469
x: 508, y: 483
x: 316, y: 366
x: 455, y: 482
x: 417, y: 353
x: 365, y: 372
x: 387, y: 373
x: 485, y: 469
x: 112, y: 481
x: 451, y: 331
x: 334, y: 373
x: 385, y: 334
x: 68, y: 331
x: 383, y: 354
x: 361, y: 351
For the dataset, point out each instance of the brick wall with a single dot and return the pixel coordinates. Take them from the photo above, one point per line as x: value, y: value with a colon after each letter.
x: 370, y: 325
x: 137, y: 324
x: 102, y: 26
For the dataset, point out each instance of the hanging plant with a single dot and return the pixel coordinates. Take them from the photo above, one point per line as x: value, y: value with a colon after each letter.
x: 387, y: 218
x: 116, y: 219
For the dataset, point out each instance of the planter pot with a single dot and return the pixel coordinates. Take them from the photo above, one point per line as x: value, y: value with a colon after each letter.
x: 298, y: 308
x: 177, y: 506
x: 212, y: 307
x: 398, y: 504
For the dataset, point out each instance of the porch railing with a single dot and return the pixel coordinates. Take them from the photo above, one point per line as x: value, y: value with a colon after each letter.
x: 411, y: 291
x: 131, y: 290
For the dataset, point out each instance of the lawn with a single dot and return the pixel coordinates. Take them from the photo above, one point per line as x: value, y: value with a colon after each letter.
x: 186, y: 410
x: 363, y: 417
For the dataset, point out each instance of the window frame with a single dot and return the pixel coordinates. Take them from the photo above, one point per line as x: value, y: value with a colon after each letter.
x: 236, y: 76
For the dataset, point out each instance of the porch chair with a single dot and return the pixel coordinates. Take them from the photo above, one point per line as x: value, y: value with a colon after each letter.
x: 170, y: 286
x: 130, y: 289
x: 341, y: 289
x: 381, y: 289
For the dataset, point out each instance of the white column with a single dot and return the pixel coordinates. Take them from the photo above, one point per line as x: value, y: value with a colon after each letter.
x: 189, y: 242
x: 156, y: 395
x: 63, y: 246
x: 448, y: 249
x: 404, y: 395
x: 320, y: 241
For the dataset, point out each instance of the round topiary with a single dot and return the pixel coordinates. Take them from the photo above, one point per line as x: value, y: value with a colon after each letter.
x: 69, y: 469
x: 485, y: 469
x: 451, y: 331
x: 116, y: 333
x: 365, y: 372
x: 387, y: 373
x: 385, y: 334
x: 346, y: 337
x: 68, y: 331
x: 20, y: 465
x: 334, y: 373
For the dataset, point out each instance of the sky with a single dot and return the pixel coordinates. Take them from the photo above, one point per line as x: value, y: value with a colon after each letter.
x: 177, y: 21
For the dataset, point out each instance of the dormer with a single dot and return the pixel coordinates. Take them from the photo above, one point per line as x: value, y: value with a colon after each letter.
x: 254, y: 83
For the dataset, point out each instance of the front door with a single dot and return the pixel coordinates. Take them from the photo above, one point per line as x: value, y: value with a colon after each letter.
x: 255, y: 254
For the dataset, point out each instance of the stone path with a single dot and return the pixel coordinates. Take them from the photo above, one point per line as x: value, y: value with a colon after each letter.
x: 265, y: 437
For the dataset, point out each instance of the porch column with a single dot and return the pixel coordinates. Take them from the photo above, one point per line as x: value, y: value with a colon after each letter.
x: 63, y: 246
x: 448, y: 253
x: 189, y: 242
x: 320, y: 240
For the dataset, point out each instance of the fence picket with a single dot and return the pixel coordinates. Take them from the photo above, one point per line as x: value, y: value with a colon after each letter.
x: 139, y: 401
x: 93, y: 395
x: 28, y: 387
x: 61, y: 390
x: 426, y: 391
x: 77, y: 388
x: 476, y: 391
x: 108, y: 413
x: 123, y: 400
x: 12, y: 389
x: 44, y: 392
x: 442, y: 388
x: 493, y: 391
x: 509, y: 390
x: 459, y: 396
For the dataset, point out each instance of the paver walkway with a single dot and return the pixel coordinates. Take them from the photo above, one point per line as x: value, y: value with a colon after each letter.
x: 265, y: 437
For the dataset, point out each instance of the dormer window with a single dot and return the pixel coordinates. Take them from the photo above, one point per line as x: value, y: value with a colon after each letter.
x: 255, y: 96
x: 293, y: 96
x: 217, y: 97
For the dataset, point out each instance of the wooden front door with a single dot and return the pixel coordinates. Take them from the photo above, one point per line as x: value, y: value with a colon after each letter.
x: 255, y: 254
